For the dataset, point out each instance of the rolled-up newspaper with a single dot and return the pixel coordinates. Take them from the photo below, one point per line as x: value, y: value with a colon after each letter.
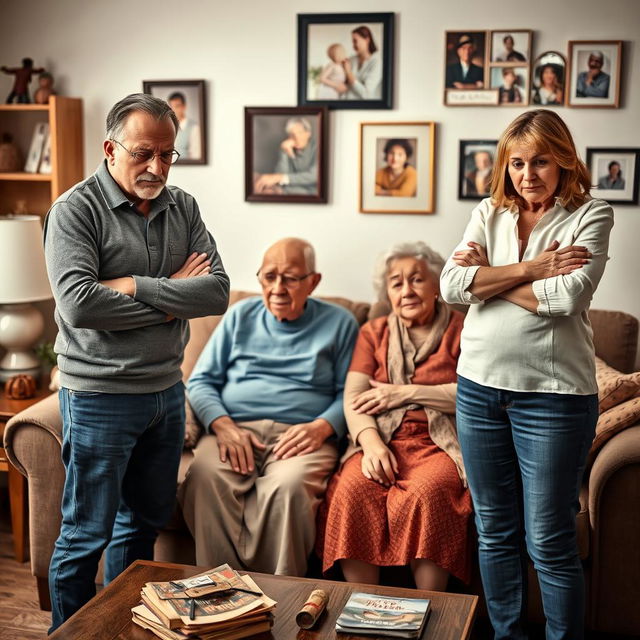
x: 313, y: 607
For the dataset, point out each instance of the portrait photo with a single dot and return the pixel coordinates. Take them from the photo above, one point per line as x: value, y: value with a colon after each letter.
x: 475, y: 168
x: 594, y: 73
x: 512, y: 84
x: 466, y: 82
x: 187, y: 99
x: 511, y: 47
x: 549, y: 72
x: 285, y: 154
x: 614, y: 174
x: 397, y: 167
x: 345, y: 60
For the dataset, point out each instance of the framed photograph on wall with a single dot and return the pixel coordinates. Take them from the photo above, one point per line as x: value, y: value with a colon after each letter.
x: 286, y: 154
x: 511, y: 46
x: 397, y: 170
x: 345, y: 60
x: 476, y: 162
x: 594, y: 73
x: 187, y: 99
x: 548, y: 81
x: 512, y: 84
x: 615, y: 174
x: 466, y: 78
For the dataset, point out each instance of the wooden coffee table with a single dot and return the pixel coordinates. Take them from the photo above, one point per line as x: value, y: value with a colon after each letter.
x: 108, y: 615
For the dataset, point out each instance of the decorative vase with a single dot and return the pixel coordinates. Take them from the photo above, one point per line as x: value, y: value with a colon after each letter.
x: 10, y: 156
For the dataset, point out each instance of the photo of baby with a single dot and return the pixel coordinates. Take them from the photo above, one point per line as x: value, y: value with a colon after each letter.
x: 333, y: 76
x: 345, y: 62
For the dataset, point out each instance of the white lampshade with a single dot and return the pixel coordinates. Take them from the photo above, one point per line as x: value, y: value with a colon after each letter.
x: 23, y: 275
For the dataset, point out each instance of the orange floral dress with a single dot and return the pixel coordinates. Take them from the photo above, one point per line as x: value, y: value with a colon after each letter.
x: 426, y: 513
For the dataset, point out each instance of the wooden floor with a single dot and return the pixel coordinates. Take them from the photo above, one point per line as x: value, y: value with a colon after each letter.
x: 20, y: 615
x: 21, y: 618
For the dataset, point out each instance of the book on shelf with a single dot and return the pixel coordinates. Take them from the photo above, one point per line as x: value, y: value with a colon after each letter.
x: 219, y: 603
x: 38, y: 139
x: 371, y: 614
x: 45, y: 160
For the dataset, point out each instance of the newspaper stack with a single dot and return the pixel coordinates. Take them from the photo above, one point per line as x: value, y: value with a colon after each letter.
x: 216, y: 604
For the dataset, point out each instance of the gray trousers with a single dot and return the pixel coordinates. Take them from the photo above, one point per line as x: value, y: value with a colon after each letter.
x: 263, y: 521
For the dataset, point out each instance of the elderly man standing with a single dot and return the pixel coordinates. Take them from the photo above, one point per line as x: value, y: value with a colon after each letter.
x: 269, y: 387
x: 130, y: 261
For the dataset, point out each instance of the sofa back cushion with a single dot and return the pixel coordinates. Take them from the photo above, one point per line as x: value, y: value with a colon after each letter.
x: 615, y: 336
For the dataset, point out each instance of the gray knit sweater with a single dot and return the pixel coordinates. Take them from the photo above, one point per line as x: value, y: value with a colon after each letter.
x: 109, y: 342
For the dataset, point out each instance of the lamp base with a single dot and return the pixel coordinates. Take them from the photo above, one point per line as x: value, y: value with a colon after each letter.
x: 34, y: 372
x: 20, y: 326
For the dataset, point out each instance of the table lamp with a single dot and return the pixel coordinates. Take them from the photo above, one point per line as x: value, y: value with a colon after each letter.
x: 23, y: 279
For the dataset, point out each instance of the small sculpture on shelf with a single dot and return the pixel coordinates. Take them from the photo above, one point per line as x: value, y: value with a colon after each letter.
x: 20, y: 387
x: 45, y: 88
x: 23, y: 78
x: 10, y: 156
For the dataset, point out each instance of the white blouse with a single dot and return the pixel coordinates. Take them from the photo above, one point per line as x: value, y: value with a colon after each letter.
x: 504, y: 345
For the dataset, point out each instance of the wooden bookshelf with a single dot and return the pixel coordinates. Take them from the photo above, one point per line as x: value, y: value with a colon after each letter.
x: 39, y: 190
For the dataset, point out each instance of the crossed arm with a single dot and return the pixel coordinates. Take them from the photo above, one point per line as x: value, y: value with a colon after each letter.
x: 72, y: 249
x: 513, y: 282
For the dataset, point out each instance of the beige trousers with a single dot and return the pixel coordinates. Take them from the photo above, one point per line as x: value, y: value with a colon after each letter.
x: 263, y: 521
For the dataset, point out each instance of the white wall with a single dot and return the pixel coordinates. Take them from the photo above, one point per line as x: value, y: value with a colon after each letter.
x: 246, y: 51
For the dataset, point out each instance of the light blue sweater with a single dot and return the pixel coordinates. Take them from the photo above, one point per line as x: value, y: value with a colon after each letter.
x: 256, y: 368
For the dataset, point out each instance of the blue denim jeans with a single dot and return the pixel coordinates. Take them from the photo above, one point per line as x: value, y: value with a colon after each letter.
x: 121, y: 454
x: 525, y: 454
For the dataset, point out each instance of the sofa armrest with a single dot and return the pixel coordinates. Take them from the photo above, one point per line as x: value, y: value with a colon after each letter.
x: 32, y: 440
x: 614, y: 511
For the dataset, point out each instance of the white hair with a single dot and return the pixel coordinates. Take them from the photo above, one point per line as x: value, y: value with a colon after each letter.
x: 306, y: 125
x: 309, y: 257
x: 419, y: 250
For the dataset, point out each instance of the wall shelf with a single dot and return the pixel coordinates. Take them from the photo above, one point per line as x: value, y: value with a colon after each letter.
x: 36, y: 191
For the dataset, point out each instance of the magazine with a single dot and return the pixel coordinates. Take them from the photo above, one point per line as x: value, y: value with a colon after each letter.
x: 173, y: 601
x: 372, y: 614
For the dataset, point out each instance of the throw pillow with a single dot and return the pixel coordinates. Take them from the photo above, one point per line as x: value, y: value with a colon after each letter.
x: 614, y: 387
x: 193, y: 428
x: 612, y: 422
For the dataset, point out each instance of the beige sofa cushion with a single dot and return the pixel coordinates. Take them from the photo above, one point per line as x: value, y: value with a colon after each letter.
x: 613, y: 421
x: 614, y: 387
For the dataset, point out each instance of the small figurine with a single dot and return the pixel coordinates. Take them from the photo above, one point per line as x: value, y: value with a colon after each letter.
x: 45, y: 88
x: 10, y: 156
x: 23, y: 78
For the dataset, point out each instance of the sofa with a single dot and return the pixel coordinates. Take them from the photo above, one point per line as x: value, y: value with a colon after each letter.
x: 608, y: 521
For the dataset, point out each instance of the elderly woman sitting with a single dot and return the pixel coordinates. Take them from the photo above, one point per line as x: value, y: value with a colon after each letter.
x: 400, y: 497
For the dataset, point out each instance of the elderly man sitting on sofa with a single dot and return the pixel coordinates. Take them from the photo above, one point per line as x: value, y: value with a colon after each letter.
x: 268, y: 386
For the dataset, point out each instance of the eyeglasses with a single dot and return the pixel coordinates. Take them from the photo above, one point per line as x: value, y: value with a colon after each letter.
x: 146, y: 155
x: 290, y: 282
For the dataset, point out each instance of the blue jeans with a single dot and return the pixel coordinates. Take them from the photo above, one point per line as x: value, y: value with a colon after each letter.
x: 121, y: 454
x: 525, y: 454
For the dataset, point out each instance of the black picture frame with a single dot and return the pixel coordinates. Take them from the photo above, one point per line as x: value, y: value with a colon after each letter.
x: 599, y: 159
x: 384, y: 24
x: 466, y: 182
x: 267, y: 129
x: 193, y: 151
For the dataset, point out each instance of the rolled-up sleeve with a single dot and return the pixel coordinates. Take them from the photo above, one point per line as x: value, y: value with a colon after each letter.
x: 571, y: 294
x: 456, y: 280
